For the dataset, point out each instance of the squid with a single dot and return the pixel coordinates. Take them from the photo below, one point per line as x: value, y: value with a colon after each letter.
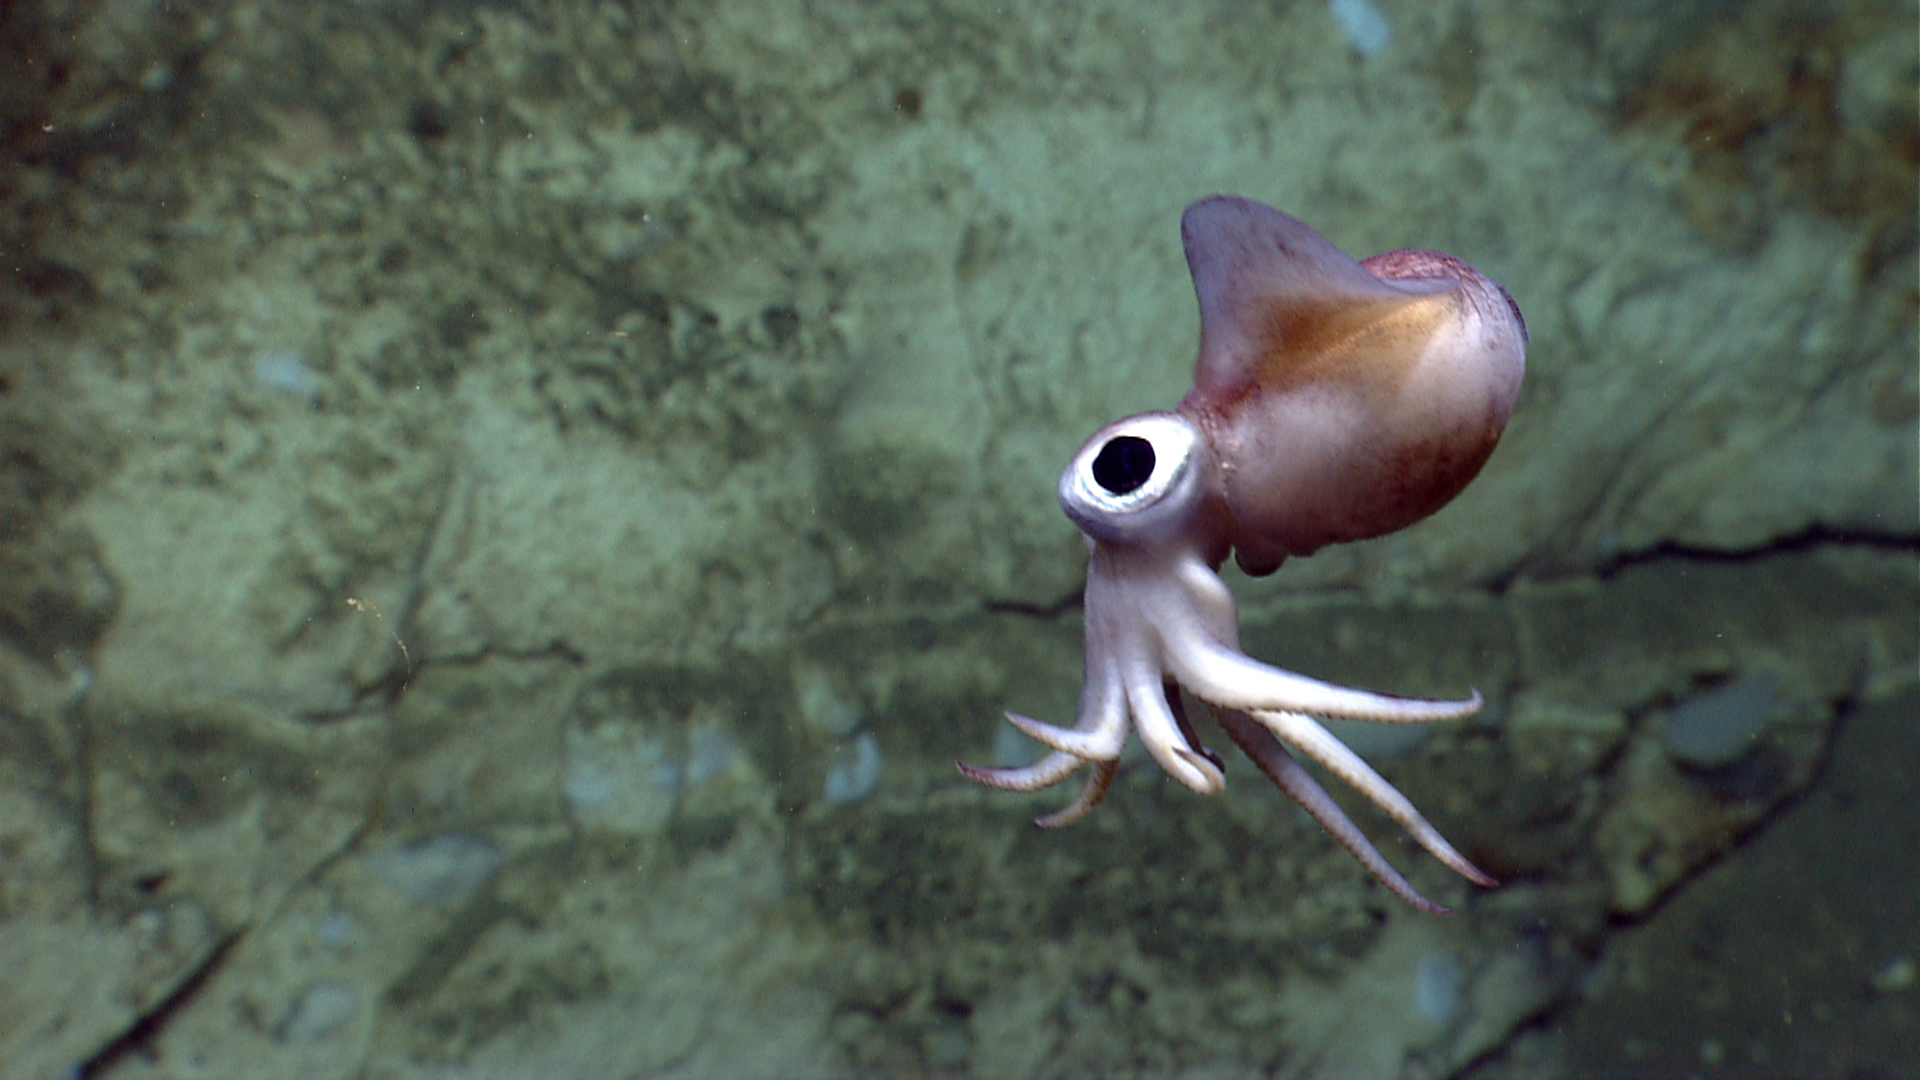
x: 1333, y: 400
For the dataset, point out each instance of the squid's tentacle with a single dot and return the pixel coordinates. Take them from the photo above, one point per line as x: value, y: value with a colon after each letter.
x: 1319, y: 744
x: 1289, y: 776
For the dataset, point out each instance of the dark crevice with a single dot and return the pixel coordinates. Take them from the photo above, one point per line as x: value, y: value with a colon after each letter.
x: 139, y: 1036
x: 1811, y: 539
x: 393, y: 683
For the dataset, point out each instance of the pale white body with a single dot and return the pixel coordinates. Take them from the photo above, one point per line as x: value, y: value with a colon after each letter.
x: 1333, y: 400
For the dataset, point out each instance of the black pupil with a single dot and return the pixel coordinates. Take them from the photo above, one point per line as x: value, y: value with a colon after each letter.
x: 1123, y: 464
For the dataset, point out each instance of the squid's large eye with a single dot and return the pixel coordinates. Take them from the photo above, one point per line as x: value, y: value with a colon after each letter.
x: 1124, y: 464
x: 1138, y: 480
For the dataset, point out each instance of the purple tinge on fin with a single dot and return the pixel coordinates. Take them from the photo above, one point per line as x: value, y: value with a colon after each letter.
x: 1257, y: 271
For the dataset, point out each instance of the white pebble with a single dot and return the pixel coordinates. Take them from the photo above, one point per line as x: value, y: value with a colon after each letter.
x: 1716, y: 728
x: 442, y: 870
x: 338, y: 932
x: 279, y: 369
x: 710, y: 753
x: 622, y: 777
x: 855, y: 771
x: 1438, y: 984
x: 1895, y: 977
x: 324, y: 1008
x: 1365, y: 25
